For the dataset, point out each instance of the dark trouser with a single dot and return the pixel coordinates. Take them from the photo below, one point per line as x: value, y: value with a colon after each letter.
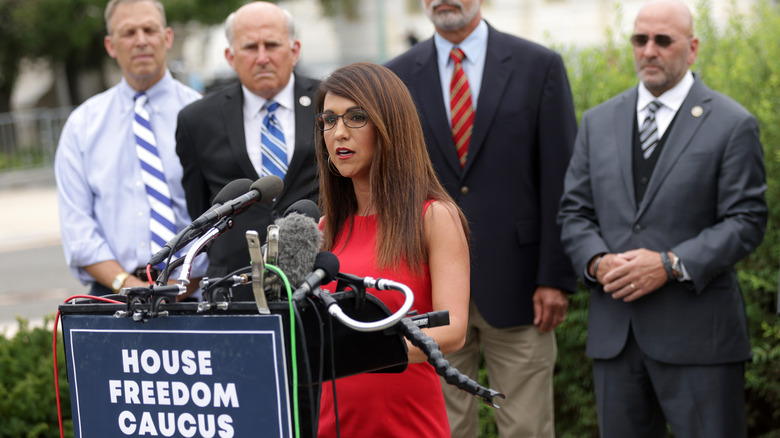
x: 99, y: 290
x: 637, y: 395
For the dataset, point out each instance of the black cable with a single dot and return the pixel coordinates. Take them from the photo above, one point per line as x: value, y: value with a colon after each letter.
x: 227, y: 278
x: 321, y: 363
x: 333, y: 375
x: 305, y: 360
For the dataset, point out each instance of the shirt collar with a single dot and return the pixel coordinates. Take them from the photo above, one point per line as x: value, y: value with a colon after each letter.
x: 155, y: 93
x: 672, y: 98
x: 473, y: 46
x: 286, y: 98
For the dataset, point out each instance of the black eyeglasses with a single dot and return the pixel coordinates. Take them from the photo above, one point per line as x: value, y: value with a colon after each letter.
x: 356, y: 118
x: 660, y: 40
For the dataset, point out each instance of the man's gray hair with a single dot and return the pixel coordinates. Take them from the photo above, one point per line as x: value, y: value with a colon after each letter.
x: 111, y: 7
x: 231, y: 18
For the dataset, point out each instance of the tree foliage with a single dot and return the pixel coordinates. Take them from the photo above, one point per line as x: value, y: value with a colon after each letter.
x: 70, y: 33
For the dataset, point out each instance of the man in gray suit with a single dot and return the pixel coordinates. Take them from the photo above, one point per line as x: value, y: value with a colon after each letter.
x: 662, y: 197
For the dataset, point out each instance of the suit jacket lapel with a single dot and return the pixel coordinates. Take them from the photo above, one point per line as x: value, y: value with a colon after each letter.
x: 432, y: 103
x: 625, y: 111
x: 678, y: 138
x: 233, y: 114
x: 304, y: 123
x: 494, y: 79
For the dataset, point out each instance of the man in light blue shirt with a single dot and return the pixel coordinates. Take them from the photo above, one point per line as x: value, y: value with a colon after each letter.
x: 103, y: 205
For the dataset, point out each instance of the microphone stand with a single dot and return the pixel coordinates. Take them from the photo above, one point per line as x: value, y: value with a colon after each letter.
x: 203, y: 242
x: 410, y: 329
x: 442, y: 366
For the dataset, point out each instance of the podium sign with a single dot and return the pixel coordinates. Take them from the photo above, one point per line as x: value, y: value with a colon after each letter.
x: 177, y: 376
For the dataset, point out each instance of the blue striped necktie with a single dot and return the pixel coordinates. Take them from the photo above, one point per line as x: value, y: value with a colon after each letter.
x: 272, y: 143
x: 161, y: 218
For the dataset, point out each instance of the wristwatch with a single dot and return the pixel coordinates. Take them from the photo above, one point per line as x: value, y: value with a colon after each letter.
x: 677, y: 267
x: 119, y: 281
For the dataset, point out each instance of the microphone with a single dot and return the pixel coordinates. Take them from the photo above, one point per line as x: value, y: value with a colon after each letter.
x: 270, y: 248
x: 299, y: 242
x: 292, y: 244
x: 233, y: 189
x: 326, y: 267
x: 306, y: 207
x: 263, y: 191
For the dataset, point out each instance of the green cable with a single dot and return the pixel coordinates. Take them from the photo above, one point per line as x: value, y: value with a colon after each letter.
x: 294, y: 351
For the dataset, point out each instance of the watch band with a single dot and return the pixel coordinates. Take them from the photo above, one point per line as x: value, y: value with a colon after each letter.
x: 667, y: 265
x: 596, y: 267
x: 119, y: 281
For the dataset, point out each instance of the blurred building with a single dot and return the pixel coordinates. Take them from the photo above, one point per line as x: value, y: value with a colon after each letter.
x: 372, y: 30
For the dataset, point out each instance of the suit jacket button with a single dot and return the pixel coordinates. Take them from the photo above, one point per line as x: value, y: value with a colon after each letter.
x: 638, y: 228
x: 464, y: 190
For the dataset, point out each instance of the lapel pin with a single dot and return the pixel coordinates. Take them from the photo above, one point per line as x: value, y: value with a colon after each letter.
x: 306, y: 101
x: 697, y: 111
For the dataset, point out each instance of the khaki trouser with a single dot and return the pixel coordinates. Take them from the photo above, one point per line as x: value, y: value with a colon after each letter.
x: 519, y: 362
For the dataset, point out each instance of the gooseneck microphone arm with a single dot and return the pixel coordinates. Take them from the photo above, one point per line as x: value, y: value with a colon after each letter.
x: 380, y: 284
x: 231, y: 190
x: 451, y: 375
x: 203, y: 242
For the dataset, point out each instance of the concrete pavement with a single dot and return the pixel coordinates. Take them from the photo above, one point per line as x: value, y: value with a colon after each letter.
x: 34, y: 279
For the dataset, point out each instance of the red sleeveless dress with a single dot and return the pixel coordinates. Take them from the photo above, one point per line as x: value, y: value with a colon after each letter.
x: 408, y: 404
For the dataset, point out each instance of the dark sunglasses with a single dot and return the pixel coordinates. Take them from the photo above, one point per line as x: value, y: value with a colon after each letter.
x: 660, y: 40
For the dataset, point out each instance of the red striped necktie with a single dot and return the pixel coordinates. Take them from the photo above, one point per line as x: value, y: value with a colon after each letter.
x: 461, y: 108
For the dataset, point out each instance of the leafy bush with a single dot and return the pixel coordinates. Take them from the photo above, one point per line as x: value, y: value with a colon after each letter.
x: 739, y: 60
x: 27, y: 400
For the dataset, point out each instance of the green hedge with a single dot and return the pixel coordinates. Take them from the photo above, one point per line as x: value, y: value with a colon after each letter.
x: 27, y: 399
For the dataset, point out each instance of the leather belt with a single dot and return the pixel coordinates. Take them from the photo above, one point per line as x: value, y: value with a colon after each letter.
x: 141, y: 273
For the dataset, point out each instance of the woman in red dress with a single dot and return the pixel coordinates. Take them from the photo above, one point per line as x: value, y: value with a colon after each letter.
x: 386, y: 215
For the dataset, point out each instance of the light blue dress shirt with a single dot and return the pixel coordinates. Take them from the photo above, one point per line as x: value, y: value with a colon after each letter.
x: 103, y: 208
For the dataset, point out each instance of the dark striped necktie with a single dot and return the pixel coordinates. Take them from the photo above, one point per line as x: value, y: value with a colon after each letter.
x: 461, y: 108
x: 648, y: 134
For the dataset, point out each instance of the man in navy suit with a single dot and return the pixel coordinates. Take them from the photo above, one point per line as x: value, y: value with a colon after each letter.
x: 664, y: 194
x: 508, y: 181
x: 219, y: 139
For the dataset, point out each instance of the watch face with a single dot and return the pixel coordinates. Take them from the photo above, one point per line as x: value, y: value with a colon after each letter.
x: 677, y: 267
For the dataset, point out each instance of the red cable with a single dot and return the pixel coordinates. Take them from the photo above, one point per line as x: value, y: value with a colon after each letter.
x: 149, y: 275
x: 56, y: 377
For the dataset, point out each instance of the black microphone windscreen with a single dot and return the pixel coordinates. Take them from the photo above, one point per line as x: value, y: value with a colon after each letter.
x: 328, y: 262
x: 299, y: 242
x: 232, y: 190
x: 306, y: 207
x: 269, y: 187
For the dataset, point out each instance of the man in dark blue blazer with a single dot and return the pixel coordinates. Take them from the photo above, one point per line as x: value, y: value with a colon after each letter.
x: 655, y: 227
x: 218, y: 140
x: 509, y: 187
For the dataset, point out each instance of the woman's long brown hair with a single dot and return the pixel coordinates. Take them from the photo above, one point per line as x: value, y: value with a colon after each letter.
x: 402, y: 176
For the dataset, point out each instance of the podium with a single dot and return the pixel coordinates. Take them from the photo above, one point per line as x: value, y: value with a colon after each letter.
x: 221, y: 372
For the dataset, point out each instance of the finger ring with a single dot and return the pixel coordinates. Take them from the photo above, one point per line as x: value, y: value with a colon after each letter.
x: 633, y: 286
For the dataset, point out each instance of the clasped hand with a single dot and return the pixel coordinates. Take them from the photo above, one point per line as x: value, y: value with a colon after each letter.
x: 632, y: 274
